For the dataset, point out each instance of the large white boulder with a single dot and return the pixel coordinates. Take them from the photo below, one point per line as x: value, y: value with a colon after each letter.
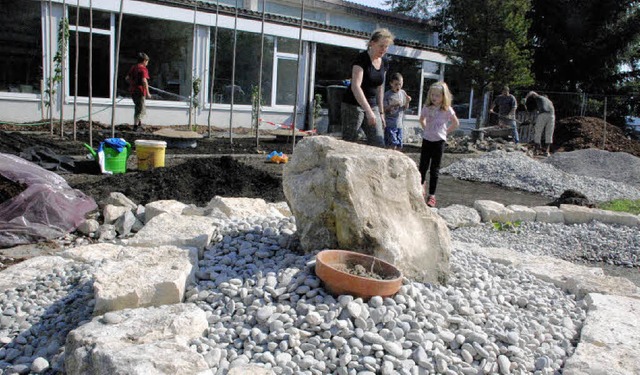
x: 354, y: 197
x: 138, y: 342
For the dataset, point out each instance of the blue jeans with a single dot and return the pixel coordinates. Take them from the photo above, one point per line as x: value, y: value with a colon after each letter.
x: 514, y: 125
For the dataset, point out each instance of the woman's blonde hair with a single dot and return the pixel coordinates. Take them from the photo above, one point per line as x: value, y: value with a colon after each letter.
x: 446, y: 94
x: 381, y: 33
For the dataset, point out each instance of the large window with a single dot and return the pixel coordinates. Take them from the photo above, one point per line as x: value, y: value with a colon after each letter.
x: 333, y: 67
x: 169, y: 45
x: 20, y: 46
x: 101, y: 53
x: 247, y: 67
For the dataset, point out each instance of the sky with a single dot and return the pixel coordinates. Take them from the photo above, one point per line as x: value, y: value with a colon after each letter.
x: 371, y: 3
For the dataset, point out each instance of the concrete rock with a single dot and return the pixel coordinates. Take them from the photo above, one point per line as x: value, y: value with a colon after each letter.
x: 119, y: 199
x: 88, y: 226
x: 576, y: 214
x: 111, y: 213
x: 458, y: 216
x: 354, y: 197
x: 522, y: 213
x: 549, y: 214
x: 156, y: 208
x: 609, y: 339
x: 146, y: 341
x: 177, y: 230
x: 493, y: 211
x: 242, y: 208
x: 141, y: 277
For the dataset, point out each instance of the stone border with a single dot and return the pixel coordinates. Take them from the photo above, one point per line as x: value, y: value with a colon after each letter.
x: 490, y: 211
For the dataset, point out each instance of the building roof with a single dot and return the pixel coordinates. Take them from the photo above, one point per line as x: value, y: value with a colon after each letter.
x: 293, y: 21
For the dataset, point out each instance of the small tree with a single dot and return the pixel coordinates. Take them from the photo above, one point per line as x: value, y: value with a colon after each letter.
x: 255, y: 108
x: 317, y: 107
x: 193, y: 101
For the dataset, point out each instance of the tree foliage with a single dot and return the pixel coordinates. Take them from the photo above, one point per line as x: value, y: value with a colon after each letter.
x: 581, y: 44
x: 489, y: 38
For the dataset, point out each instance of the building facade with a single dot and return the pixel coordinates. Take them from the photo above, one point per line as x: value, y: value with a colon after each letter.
x: 204, y: 55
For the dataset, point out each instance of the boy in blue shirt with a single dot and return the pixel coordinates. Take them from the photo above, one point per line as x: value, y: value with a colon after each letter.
x: 396, y: 101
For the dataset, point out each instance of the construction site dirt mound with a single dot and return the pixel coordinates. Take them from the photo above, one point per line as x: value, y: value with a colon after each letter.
x: 578, y: 132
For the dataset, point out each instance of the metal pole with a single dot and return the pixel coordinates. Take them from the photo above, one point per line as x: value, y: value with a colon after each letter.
x: 90, y: 72
x: 264, y: 5
x: 233, y: 72
x: 50, y: 67
x: 115, y: 73
x: 295, y: 106
x: 604, y: 138
x: 213, y: 70
x: 75, y: 83
x: 191, y: 109
x: 64, y: 26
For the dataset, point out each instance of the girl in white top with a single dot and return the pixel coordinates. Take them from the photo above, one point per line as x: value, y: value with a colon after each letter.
x: 437, y: 119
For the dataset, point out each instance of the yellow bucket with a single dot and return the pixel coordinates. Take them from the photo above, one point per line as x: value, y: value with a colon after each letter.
x: 150, y: 154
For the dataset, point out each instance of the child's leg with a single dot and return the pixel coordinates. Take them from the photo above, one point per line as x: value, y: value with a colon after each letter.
x: 434, y: 171
x: 425, y: 160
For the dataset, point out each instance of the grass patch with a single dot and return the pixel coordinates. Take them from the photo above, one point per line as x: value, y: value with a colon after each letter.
x: 622, y: 205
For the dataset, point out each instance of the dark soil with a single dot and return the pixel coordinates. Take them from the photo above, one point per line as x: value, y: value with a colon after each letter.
x: 359, y: 270
x: 236, y: 166
x: 577, y: 133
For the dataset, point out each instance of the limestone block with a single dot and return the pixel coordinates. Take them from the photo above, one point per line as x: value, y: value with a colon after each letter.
x: 138, y: 342
x: 576, y: 214
x: 354, y: 197
x: 493, y: 211
x: 111, y: 213
x: 119, y: 199
x: 156, y: 208
x: 612, y: 217
x: 141, y: 277
x: 609, y: 338
x: 549, y: 214
x: 88, y: 226
x: 458, y: 216
x: 125, y: 223
x: 177, y: 230
x: 94, y: 253
x: 242, y: 208
x: 522, y: 213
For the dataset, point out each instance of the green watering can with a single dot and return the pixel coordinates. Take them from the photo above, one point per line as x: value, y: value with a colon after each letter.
x: 114, y: 161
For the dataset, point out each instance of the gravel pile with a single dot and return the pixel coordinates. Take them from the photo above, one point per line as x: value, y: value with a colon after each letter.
x: 265, y: 305
x: 518, y: 171
x: 614, y: 166
x: 593, y: 242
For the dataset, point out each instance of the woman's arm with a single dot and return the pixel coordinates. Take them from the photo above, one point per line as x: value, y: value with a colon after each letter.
x: 380, y: 98
x: 357, y: 73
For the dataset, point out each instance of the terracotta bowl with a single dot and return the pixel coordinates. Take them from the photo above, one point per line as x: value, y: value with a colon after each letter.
x: 331, y: 263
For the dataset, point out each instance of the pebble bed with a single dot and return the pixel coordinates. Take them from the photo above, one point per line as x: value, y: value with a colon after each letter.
x: 265, y: 305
